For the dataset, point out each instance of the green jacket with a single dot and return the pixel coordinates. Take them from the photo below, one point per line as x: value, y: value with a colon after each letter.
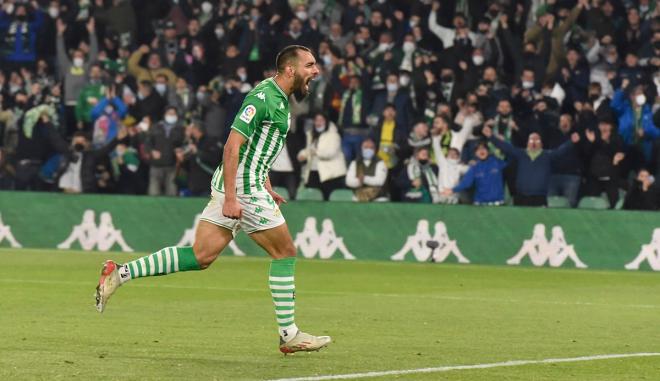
x: 83, y: 106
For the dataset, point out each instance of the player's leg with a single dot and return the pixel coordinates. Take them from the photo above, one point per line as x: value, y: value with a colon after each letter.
x: 278, y: 244
x: 210, y: 241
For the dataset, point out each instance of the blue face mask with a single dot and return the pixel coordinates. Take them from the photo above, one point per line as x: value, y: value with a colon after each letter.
x: 368, y: 153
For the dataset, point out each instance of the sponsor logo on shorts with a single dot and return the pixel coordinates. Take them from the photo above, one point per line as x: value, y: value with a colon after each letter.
x: 264, y: 221
x: 248, y: 113
x: 259, y: 210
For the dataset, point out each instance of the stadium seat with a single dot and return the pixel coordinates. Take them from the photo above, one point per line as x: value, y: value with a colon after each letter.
x: 309, y: 194
x: 558, y: 202
x: 593, y: 203
x: 341, y: 195
x: 282, y: 191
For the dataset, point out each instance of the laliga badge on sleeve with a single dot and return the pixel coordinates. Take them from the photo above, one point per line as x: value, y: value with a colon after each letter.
x: 248, y: 113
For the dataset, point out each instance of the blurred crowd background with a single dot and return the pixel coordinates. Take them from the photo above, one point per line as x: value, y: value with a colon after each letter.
x: 492, y: 102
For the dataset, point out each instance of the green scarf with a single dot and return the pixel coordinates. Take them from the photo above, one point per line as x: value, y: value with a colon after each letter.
x: 357, y: 106
x: 534, y: 154
x: 33, y: 115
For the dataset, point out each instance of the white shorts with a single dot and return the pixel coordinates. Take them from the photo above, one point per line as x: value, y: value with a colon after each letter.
x: 259, y: 212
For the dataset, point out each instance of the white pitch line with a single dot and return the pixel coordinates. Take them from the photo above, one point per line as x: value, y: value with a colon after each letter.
x: 348, y: 293
x: 466, y: 367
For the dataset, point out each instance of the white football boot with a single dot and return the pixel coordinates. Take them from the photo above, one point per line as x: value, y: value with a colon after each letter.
x: 304, y: 342
x: 108, y: 284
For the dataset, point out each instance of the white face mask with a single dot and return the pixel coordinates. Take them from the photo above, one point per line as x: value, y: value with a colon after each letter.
x: 200, y: 96
x: 301, y: 15
x: 143, y: 126
x: 327, y: 59
x: 207, y: 7
x: 219, y: 33
x: 392, y: 87
x: 368, y: 153
x: 404, y: 81
x: 383, y: 47
x: 53, y: 12
x: 78, y: 62
x: 319, y: 129
x: 640, y: 99
x: 453, y: 161
x: 161, y: 88
x: 171, y: 119
x: 478, y: 60
x: 527, y: 85
x: 10, y: 8
x: 408, y: 47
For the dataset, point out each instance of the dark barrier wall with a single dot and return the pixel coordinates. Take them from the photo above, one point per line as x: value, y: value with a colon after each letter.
x: 338, y: 230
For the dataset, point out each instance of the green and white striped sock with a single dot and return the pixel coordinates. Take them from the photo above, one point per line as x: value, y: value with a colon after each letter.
x: 168, y: 260
x: 283, y: 291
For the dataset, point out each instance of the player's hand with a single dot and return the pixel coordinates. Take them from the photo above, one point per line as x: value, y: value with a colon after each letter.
x: 232, y: 209
x: 277, y: 198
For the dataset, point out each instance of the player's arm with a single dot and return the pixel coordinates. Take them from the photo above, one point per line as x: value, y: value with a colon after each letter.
x: 231, y: 207
x: 251, y: 114
x: 276, y: 197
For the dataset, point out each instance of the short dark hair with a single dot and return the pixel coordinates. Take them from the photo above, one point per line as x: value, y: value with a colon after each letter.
x: 288, y: 54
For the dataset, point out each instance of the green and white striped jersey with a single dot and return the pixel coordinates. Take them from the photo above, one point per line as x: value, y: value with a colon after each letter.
x: 264, y: 121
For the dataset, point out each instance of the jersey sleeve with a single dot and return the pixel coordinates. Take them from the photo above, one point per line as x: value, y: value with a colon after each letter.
x: 251, y: 114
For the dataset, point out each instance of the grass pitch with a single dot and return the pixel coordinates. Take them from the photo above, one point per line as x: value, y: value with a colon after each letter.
x: 219, y: 324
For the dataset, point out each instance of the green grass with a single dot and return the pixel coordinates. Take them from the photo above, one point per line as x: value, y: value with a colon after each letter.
x: 219, y: 324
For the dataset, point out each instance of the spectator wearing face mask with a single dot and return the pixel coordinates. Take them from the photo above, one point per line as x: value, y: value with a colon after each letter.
x: 486, y: 176
x: 161, y: 141
x: 19, y: 28
x: 419, y: 179
x: 81, y: 167
x: 399, y: 97
x: 390, y: 137
x: 535, y: 33
x: 534, y: 166
x: 89, y: 97
x: 148, y: 103
x: 107, y: 116
x: 75, y: 71
x: 351, y: 118
x: 448, y: 35
x: 38, y: 139
x: 367, y: 174
x: 643, y: 194
x: 604, y: 152
x: 154, y: 67
x: 636, y: 125
x: 325, y: 166
x: 450, y: 170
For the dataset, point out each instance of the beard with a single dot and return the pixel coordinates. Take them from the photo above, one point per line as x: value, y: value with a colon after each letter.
x: 300, y: 89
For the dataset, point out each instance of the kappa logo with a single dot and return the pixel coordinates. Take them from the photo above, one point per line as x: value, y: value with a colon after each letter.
x: 6, y: 234
x: 248, y: 113
x: 90, y: 236
x: 325, y: 244
x: 424, y: 246
x: 261, y: 95
x: 281, y: 105
x: 188, y: 238
x: 540, y: 251
x: 650, y: 253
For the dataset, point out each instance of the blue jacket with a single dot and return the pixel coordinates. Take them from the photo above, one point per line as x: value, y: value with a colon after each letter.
x: 23, y: 50
x: 624, y: 111
x: 532, y: 176
x: 487, y: 178
x: 101, y: 137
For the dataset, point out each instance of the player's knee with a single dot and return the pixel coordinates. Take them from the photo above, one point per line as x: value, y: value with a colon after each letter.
x: 287, y: 251
x: 204, y: 255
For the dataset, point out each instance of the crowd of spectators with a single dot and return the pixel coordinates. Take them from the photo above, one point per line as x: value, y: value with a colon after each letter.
x: 425, y: 101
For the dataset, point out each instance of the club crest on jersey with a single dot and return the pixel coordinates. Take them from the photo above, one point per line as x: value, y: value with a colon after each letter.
x: 248, y: 113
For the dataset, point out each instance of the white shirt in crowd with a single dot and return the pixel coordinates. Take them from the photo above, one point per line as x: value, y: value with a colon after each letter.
x: 377, y: 180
